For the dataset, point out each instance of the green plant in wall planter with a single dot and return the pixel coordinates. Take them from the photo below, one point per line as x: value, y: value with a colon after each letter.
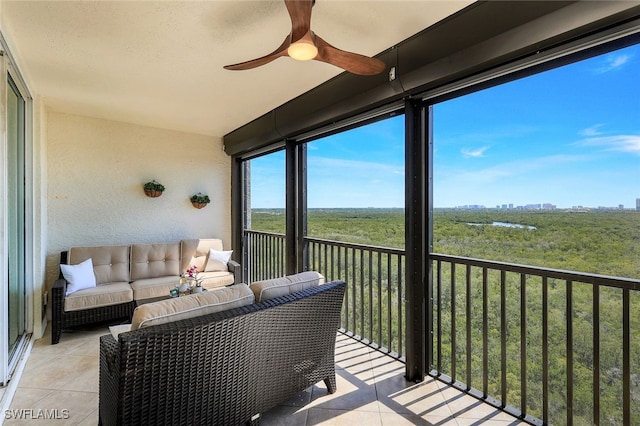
x: 199, y: 200
x: 153, y: 189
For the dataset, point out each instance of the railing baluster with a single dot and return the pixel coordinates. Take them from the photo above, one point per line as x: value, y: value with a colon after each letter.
x: 439, y: 293
x: 453, y: 321
x: 626, y: 358
x: 258, y: 260
x: 265, y: 264
x: 545, y: 351
x: 400, y: 315
x: 380, y: 313
x: 596, y: 355
x: 370, y: 285
x: 324, y: 261
x: 355, y: 294
x: 281, y: 256
x: 468, y: 314
x: 362, y: 321
x: 569, y: 312
x: 389, y: 303
x: 347, y: 293
x: 503, y: 338
x: 523, y: 344
x: 485, y: 333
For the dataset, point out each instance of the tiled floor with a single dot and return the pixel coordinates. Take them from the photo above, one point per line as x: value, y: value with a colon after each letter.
x: 371, y: 390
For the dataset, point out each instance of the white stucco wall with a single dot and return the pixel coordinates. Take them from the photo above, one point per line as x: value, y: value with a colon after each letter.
x: 39, y: 220
x: 95, y: 172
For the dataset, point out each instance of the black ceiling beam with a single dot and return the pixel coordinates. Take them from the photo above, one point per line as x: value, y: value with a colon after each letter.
x: 474, y: 40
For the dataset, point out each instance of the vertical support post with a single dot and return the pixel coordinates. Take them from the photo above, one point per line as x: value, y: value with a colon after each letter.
x: 291, y: 212
x: 240, y: 210
x: 415, y: 235
x: 301, y: 226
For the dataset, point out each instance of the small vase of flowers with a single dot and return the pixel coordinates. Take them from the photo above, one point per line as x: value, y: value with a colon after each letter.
x: 192, y: 275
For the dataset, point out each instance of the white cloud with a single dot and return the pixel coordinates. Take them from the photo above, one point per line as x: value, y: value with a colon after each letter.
x: 591, y: 131
x: 512, y: 169
x: 620, y: 143
x: 474, y: 153
x: 612, y: 62
x: 353, y: 167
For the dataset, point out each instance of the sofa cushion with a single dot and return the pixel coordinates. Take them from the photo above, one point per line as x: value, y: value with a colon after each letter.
x: 155, y: 260
x: 78, y: 276
x: 195, y: 252
x: 102, y: 295
x: 191, y: 306
x: 211, y: 280
x: 276, y: 287
x: 217, y: 260
x: 110, y: 263
x: 154, y: 287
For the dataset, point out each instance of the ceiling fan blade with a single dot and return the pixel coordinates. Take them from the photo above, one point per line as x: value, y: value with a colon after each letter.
x: 300, y: 13
x: 280, y: 51
x: 352, y: 62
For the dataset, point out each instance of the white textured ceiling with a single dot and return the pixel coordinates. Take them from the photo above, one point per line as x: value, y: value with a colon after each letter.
x: 159, y: 63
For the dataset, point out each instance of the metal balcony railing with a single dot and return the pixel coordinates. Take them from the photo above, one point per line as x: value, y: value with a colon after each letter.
x: 373, y: 309
x: 546, y: 345
x: 549, y: 346
x: 264, y: 255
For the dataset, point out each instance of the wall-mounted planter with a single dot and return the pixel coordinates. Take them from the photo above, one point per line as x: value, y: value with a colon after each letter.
x: 152, y: 193
x: 153, y: 189
x: 199, y: 200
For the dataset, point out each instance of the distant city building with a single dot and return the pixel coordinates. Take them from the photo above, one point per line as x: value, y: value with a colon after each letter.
x: 544, y: 206
x: 638, y: 204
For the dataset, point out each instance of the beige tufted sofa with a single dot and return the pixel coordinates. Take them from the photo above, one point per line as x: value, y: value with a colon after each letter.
x: 130, y: 275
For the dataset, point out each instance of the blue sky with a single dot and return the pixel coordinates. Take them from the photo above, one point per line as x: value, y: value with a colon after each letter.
x: 570, y: 136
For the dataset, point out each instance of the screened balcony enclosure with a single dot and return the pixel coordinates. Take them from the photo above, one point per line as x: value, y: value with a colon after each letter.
x: 529, y: 305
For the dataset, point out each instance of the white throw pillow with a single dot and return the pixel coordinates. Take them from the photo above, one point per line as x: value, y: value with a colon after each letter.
x: 79, y: 276
x: 217, y: 260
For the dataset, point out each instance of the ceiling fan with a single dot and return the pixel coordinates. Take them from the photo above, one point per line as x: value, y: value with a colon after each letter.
x: 303, y: 44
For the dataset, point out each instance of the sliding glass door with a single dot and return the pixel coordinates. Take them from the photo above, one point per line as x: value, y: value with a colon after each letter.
x: 16, y: 218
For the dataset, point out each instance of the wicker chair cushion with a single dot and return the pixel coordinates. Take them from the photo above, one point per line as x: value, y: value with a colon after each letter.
x: 110, y: 263
x: 95, y: 297
x: 191, y: 306
x: 211, y: 280
x: 195, y: 252
x: 154, y: 287
x: 155, y: 260
x: 119, y: 328
x: 276, y: 287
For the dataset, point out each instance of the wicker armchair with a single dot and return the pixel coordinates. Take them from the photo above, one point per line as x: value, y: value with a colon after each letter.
x: 223, y: 368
